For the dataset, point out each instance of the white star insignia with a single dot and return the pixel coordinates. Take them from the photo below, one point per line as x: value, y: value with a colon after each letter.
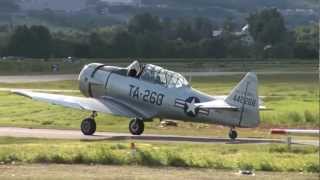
x: 191, y: 107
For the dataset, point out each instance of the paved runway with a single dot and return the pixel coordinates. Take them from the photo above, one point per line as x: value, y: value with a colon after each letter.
x: 40, y: 90
x: 77, y: 135
x: 37, y: 78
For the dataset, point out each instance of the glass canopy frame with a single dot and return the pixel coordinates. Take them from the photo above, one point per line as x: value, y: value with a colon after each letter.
x: 158, y: 75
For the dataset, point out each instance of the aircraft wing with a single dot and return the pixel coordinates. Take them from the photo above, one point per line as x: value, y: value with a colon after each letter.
x: 104, y: 105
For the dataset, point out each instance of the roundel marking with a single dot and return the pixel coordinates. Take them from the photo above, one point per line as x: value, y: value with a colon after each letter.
x: 190, y: 108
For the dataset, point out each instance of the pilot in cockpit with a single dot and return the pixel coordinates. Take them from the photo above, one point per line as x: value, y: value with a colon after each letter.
x: 134, y: 69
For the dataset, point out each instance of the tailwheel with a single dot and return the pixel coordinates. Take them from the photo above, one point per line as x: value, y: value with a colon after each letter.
x: 136, y: 126
x: 233, y: 134
x: 88, y: 125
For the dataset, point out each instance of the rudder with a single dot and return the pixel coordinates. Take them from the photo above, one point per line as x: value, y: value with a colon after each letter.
x: 245, y: 97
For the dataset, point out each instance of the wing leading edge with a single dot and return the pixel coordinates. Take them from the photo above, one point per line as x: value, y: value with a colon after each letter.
x: 82, y: 103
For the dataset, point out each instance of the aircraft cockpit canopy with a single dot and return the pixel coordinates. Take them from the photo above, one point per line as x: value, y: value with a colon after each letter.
x: 158, y: 75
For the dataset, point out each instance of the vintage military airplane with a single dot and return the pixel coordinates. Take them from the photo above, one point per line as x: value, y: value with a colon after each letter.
x: 145, y: 91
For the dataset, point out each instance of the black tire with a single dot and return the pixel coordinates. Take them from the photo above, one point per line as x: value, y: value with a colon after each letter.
x: 88, y: 126
x: 136, y: 126
x: 233, y: 134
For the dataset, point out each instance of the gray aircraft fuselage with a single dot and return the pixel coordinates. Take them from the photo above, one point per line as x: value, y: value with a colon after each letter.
x: 152, y: 100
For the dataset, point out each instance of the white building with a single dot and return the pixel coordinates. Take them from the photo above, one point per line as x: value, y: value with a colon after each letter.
x: 244, y: 34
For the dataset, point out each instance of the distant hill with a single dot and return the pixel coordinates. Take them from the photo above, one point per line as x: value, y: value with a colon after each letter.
x: 93, y: 13
x: 307, y: 10
x: 64, y: 5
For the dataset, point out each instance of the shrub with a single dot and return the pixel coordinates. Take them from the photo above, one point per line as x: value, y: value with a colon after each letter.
x: 278, y: 148
x: 309, y: 117
x: 118, y: 146
x: 245, y: 165
x: 58, y: 158
x: 104, y: 156
x: 295, y: 117
x: 218, y: 164
x: 149, y: 159
x: 311, y: 167
x: 41, y: 158
x: 266, y: 166
x: 49, y: 122
x: 82, y: 158
x: 12, y: 157
x: 175, y: 160
x: 294, y: 149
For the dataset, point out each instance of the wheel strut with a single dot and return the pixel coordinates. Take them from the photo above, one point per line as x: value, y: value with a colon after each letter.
x: 94, y: 114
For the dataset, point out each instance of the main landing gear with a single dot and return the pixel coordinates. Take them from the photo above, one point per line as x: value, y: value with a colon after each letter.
x: 136, y: 126
x: 233, y: 133
x: 88, y: 125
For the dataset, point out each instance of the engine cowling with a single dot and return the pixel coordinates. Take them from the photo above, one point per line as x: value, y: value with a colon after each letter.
x: 87, y: 78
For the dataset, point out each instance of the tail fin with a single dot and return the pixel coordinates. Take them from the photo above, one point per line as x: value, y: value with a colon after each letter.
x: 245, y: 97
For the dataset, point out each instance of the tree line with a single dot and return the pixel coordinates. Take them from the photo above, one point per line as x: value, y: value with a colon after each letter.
x: 148, y: 36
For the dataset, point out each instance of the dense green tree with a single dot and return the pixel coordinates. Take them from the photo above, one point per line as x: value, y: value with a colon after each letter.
x: 185, y: 31
x: 203, y: 27
x: 143, y: 23
x: 42, y: 41
x: 272, y: 39
x: 98, y: 47
x: 169, y: 29
x: 235, y: 48
x: 267, y: 26
x: 19, y: 43
x: 123, y: 44
x: 307, y: 43
x: 62, y: 48
x: 215, y: 47
x: 30, y: 42
x: 82, y: 50
x: 149, y: 45
x: 228, y: 25
x: 146, y: 36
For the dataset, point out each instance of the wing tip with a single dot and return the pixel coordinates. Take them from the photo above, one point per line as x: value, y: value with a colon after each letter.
x: 20, y: 93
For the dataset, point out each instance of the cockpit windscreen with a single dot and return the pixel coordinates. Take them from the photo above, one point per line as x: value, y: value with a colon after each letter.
x: 158, y: 75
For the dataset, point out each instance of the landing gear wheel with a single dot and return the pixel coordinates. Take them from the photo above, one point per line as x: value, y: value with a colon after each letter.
x: 233, y: 134
x: 88, y: 126
x: 136, y: 126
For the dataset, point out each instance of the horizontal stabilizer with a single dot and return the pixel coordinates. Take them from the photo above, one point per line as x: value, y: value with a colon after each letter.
x: 221, y: 104
x: 264, y: 108
x: 217, y: 104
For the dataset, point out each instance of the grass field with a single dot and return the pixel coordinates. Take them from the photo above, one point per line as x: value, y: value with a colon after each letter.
x: 294, y: 99
x: 218, y: 156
